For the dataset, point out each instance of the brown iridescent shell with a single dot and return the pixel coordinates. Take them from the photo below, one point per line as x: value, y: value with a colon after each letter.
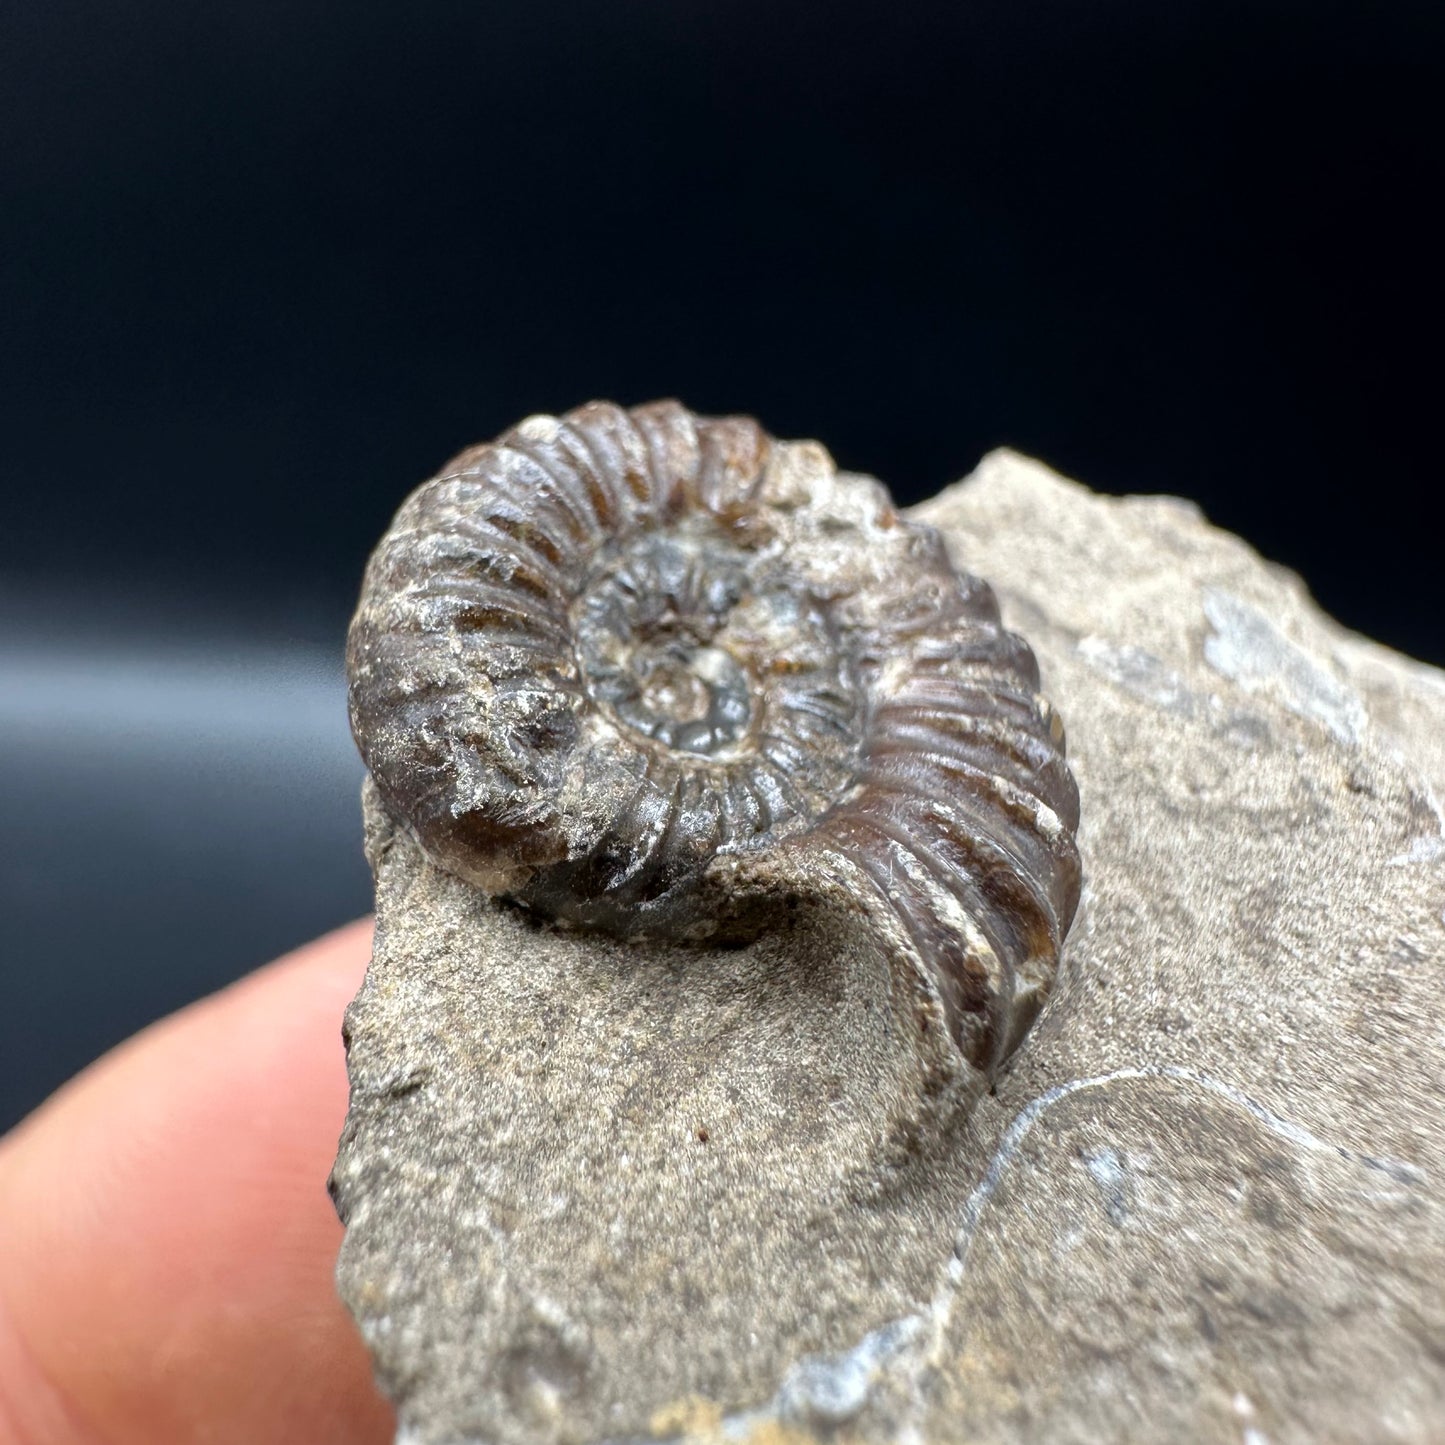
x: 597, y: 657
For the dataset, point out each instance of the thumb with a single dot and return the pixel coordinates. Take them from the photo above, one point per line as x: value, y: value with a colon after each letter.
x: 168, y: 1245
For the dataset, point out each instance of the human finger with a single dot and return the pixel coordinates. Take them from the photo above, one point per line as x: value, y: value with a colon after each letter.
x: 166, y: 1241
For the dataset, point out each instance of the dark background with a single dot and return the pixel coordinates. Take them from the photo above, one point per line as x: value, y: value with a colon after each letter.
x: 265, y: 265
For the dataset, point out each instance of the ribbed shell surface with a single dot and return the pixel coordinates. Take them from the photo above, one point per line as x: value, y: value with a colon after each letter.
x: 602, y: 652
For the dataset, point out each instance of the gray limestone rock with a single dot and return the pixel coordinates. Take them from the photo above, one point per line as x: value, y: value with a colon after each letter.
x: 595, y: 1191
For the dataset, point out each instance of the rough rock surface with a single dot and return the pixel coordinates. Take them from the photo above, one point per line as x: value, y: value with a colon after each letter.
x: 600, y: 1192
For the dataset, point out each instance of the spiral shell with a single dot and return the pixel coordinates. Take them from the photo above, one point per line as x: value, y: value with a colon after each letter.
x: 601, y: 655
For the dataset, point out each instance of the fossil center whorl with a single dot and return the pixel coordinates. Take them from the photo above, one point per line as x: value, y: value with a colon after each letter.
x: 601, y: 653
x: 697, y: 644
x: 647, y: 636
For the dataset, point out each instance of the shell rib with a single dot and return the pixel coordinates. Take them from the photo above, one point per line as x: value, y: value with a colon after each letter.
x: 603, y: 653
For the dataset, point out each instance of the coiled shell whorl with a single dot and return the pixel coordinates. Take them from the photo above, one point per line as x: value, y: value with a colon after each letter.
x: 607, y: 653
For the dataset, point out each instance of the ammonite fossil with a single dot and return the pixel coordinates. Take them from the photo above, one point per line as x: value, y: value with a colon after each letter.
x: 602, y: 655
